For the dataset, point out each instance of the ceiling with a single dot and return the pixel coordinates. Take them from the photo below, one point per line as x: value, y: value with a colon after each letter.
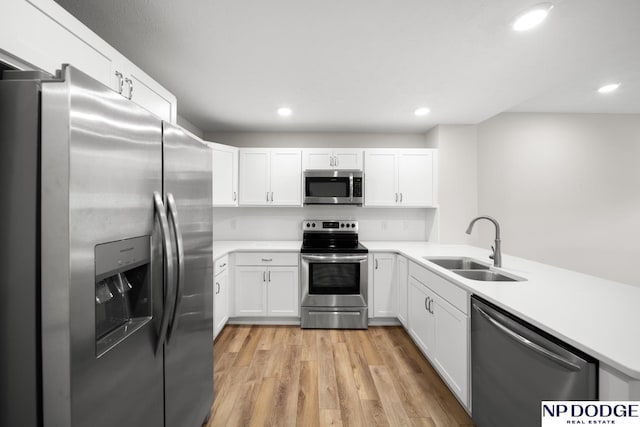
x: 366, y: 65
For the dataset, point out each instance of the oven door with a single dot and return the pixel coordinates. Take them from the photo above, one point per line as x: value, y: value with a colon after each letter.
x: 328, y: 187
x: 334, y: 280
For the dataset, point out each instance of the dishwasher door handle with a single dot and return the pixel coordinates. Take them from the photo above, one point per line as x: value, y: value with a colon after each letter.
x: 527, y: 343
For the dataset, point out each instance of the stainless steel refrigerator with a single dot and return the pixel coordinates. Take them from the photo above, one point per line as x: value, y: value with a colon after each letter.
x: 106, y: 233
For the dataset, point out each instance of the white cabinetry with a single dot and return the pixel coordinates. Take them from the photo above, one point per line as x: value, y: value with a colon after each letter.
x: 384, y: 285
x: 402, y: 272
x: 220, y: 295
x: 337, y: 158
x: 225, y: 175
x: 440, y: 326
x: 266, y: 284
x: 270, y: 177
x: 614, y: 385
x: 41, y: 33
x: 403, y: 177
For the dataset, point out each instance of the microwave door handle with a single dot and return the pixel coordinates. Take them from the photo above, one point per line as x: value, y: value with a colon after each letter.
x: 351, y: 187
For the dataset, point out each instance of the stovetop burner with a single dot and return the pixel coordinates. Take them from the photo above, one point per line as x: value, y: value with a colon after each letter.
x: 331, y: 236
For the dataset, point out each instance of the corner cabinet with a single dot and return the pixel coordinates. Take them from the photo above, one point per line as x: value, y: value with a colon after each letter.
x: 270, y: 177
x: 54, y: 37
x: 404, y: 178
x: 337, y: 158
x: 266, y: 285
x: 439, y: 324
x: 225, y: 174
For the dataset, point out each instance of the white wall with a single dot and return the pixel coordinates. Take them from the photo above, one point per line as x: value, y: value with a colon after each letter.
x: 319, y: 139
x: 190, y: 127
x: 457, y: 181
x: 565, y: 188
x: 256, y: 223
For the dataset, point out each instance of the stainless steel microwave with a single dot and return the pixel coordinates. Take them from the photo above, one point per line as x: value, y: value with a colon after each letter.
x: 333, y: 187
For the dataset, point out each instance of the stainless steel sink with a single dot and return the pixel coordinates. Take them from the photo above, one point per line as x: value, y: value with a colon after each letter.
x: 486, y: 276
x: 458, y: 263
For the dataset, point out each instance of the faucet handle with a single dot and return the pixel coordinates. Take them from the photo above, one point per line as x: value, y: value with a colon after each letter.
x: 493, y: 253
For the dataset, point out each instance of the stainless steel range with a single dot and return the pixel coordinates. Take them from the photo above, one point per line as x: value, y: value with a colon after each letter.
x: 334, y: 276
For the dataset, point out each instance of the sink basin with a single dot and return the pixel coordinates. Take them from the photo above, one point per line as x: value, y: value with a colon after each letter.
x: 458, y: 263
x: 486, y: 276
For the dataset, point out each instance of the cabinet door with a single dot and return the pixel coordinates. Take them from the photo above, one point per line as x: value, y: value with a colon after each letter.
x: 415, y: 178
x: 286, y: 178
x: 421, y: 322
x: 225, y: 175
x: 220, y: 302
x: 316, y: 159
x: 451, y: 350
x: 254, y: 177
x: 250, y: 291
x: 150, y: 96
x: 380, y: 178
x: 401, y: 284
x: 384, y: 289
x: 347, y: 159
x: 282, y: 290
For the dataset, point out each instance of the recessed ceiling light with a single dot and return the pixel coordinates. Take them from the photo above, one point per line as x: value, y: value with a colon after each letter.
x: 422, y: 111
x: 609, y: 88
x: 284, y: 111
x: 532, y: 17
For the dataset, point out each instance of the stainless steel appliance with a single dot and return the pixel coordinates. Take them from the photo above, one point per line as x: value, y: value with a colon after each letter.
x: 515, y: 366
x: 106, y: 259
x: 329, y: 187
x: 333, y: 276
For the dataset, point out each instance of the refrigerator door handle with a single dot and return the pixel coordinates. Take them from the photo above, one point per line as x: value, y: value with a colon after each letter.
x: 173, y: 215
x: 161, y: 216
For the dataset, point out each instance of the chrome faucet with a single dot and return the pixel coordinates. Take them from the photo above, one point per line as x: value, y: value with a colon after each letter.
x: 497, y: 254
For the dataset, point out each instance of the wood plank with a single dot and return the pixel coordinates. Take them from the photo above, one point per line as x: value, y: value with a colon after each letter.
x: 374, y: 414
x: 308, y: 413
x: 295, y: 336
x: 266, y: 339
x: 362, y: 376
x: 370, y: 352
x: 309, y: 345
x: 262, y: 409
x: 276, y: 363
x: 243, y: 408
x: 246, y: 353
x: 238, y: 335
x: 327, y: 385
x: 227, y: 394
x: 285, y: 404
x: 350, y: 406
x: 391, y: 402
x: 330, y: 418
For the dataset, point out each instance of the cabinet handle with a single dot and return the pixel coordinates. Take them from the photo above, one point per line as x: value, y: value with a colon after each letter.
x: 267, y: 259
x: 400, y: 197
x: 331, y: 161
x: 396, y: 197
x: 218, y: 290
x: 430, y: 309
x: 376, y: 263
x: 269, y: 276
x: 264, y: 276
x: 223, y: 265
x: 235, y: 196
x: 129, y: 83
x: 426, y: 303
x: 335, y: 161
x: 272, y: 197
x: 120, y: 82
x: 267, y: 197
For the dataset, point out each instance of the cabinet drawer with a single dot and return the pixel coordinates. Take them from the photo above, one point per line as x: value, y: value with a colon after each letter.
x: 221, y: 265
x: 267, y: 258
x: 448, y: 291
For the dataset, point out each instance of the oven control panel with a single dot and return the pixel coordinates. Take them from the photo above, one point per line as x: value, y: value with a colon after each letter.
x: 333, y: 226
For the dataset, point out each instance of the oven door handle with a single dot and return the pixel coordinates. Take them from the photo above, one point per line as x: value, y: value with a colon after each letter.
x: 335, y: 258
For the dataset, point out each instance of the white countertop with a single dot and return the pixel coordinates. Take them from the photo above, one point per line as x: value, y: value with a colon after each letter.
x: 598, y: 316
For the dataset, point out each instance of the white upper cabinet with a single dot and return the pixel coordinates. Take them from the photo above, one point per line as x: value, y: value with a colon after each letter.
x: 270, y: 177
x: 45, y: 36
x: 225, y: 175
x: 404, y: 177
x: 332, y: 158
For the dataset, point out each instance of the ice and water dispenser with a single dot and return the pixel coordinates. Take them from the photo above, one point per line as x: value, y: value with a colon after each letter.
x: 123, y: 290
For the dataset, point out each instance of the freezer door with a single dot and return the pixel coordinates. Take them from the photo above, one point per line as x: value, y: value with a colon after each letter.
x: 189, y: 347
x: 101, y: 257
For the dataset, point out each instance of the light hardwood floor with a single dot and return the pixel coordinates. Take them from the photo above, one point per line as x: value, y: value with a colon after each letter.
x: 287, y: 376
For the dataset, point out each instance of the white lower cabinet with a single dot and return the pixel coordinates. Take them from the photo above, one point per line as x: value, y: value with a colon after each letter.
x: 440, y: 330
x: 384, y: 287
x: 266, y: 289
x: 402, y: 275
x: 220, y: 301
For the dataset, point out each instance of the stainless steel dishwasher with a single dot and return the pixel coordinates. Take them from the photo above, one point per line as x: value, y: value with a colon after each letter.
x: 515, y: 366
